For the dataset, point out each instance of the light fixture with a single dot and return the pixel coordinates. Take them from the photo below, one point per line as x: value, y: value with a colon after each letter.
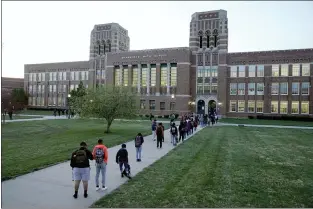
x: 69, y: 95
x: 173, y: 96
x: 219, y: 103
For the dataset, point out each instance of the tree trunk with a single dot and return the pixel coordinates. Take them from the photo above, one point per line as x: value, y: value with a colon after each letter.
x: 108, y: 126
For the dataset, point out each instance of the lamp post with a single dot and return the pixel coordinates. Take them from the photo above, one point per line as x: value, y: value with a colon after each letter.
x: 68, y: 106
x: 218, y: 107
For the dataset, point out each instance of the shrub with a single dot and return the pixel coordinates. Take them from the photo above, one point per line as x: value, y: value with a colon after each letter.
x: 285, y: 117
x: 166, y: 116
x: 160, y: 116
x: 251, y: 117
x: 176, y: 116
x: 147, y: 116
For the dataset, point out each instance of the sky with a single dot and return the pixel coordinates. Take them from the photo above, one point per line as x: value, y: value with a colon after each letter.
x: 59, y: 31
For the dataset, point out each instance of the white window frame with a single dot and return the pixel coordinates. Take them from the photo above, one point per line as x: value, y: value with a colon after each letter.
x: 275, y: 70
x: 244, y: 89
x: 276, y: 103
x: 231, y: 102
x: 256, y: 106
x: 257, y: 85
x: 280, y: 88
x: 244, y: 105
x: 307, y: 69
x: 252, y: 71
x: 260, y: 71
x: 242, y: 71
x: 250, y: 102
x: 298, y: 106
x: 230, y: 88
x: 284, y: 70
x: 295, y: 70
x: 233, y: 72
x: 308, y: 104
x: 280, y: 107
x: 292, y: 92
x: 308, y: 88
x: 254, y: 89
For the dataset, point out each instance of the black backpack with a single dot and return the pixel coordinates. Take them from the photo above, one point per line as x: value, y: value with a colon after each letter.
x: 80, y: 157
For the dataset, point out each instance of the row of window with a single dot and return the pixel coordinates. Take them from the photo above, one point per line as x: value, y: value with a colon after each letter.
x: 62, y: 88
x: 208, y: 72
x: 59, y: 76
x: 168, y: 75
x: 152, y: 105
x: 52, y: 101
x: 207, y: 88
x: 277, y: 70
x: 276, y: 88
x: 276, y: 107
x: 100, y: 74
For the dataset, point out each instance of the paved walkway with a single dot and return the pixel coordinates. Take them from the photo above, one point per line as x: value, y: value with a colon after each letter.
x: 53, y: 187
x: 266, y: 126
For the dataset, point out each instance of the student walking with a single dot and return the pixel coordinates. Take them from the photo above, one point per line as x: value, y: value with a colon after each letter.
x: 174, y: 133
x: 122, y: 159
x: 100, y: 154
x: 153, y: 128
x: 138, y: 145
x: 81, y: 168
x: 160, y: 135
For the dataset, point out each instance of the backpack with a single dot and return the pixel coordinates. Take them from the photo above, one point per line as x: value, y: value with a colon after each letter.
x: 80, y: 157
x: 138, y: 141
x: 99, y: 156
x: 159, y: 131
x: 173, y: 130
x: 153, y: 127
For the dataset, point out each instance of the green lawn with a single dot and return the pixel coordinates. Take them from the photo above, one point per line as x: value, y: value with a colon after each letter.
x: 15, y: 117
x: 265, y: 122
x: 27, y: 146
x: 37, y: 112
x: 226, y: 167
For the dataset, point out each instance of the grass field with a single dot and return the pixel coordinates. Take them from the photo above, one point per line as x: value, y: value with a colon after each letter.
x: 15, y: 117
x: 226, y: 167
x: 265, y: 122
x: 27, y: 146
x: 37, y: 112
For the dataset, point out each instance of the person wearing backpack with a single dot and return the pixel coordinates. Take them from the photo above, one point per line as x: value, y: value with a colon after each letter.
x: 122, y: 160
x: 81, y: 168
x: 100, y: 154
x: 153, y: 128
x: 160, y: 135
x: 174, y: 133
x: 138, y: 144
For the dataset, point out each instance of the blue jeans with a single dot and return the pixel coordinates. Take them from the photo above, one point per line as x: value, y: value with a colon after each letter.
x: 173, y: 139
x: 100, y: 168
x: 125, y: 166
x: 138, y: 152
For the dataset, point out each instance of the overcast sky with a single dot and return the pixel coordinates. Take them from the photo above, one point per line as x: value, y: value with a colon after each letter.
x: 45, y: 32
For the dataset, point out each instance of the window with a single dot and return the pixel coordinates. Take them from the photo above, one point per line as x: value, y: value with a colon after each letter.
x: 60, y: 76
x: 232, y: 106
x: 98, y: 76
x: 153, y: 75
x: 283, y: 107
x: 135, y: 75
x: 284, y: 88
x: 77, y: 75
x: 34, y: 101
x: 144, y: 73
x: 260, y: 70
x: 304, y: 107
x: 251, y: 106
x: 50, y: 88
x: 242, y: 71
x: 83, y: 75
x: 306, y: 69
x: 305, y: 88
x: 284, y: 70
x: 233, y: 88
x: 54, y: 76
x: 173, y: 74
x: 241, y: 106
x: 241, y: 88
x: 34, y: 77
x: 117, y: 75
x: 65, y: 87
x: 72, y: 76
x: 102, y: 74
x: 125, y: 76
x: 233, y: 71
x: 39, y: 89
x: 207, y: 41
x: 251, y: 70
x: 214, y: 72
x: 275, y: 70
x: 162, y: 105
x: 296, y: 70
x: 39, y: 76
x: 152, y: 104
x: 30, y: 77
x: 295, y: 88
x: 163, y: 75
x: 275, y: 88
x: 60, y: 100
x: 72, y: 87
x: 50, y: 76
x: 54, y: 88
x: 274, y: 107
x: 172, y: 106
x: 142, y: 104
x: 259, y: 106
x: 86, y: 86
x: 43, y: 76
x: 294, y: 107
x: 30, y: 89
x: 200, y: 42
x: 251, y: 88
x: 42, y: 101
x: 87, y: 75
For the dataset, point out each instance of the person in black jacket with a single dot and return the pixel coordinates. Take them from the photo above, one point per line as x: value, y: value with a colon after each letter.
x: 174, y: 133
x: 81, y: 168
x: 138, y: 144
x: 122, y: 159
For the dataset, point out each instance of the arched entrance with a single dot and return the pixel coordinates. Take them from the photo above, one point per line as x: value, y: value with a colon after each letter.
x: 212, y: 106
x: 201, y: 107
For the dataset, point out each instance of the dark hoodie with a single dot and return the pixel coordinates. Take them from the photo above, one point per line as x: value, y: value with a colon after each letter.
x: 86, y: 163
x: 122, y: 156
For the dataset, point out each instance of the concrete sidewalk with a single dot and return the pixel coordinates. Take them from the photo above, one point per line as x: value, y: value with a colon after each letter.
x: 266, y: 126
x: 53, y: 187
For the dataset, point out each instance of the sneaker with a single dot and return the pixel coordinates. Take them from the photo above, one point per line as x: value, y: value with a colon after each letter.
x: 75, y: 196
x: 85, y: 195
x: 104, y: 188
x: 122, y: 175
x: 138, y: 160
x: 97, y: 188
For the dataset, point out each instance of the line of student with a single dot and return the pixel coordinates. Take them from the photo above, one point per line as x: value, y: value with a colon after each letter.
x: 81, y: 166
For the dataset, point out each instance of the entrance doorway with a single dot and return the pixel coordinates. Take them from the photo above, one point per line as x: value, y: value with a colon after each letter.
x: 200, y: 107
x: 212, y: 106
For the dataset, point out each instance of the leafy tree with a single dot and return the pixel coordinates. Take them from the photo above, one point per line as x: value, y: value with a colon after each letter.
x: 19, y: 96
x: 77, y: 95
x: 110, y: 103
